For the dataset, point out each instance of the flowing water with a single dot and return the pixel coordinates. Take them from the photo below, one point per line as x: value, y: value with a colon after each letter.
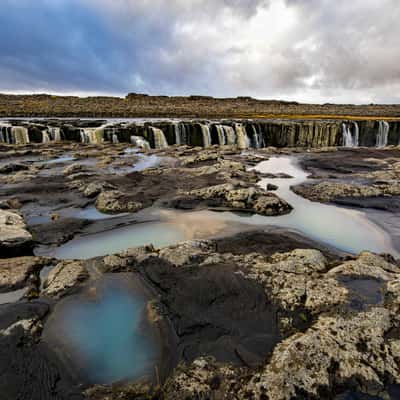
x: 102, y: 332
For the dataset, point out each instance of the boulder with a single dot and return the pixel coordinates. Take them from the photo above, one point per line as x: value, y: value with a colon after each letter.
x: 14, y: 237
x: 114, y: 201
x: 63, y: 277
x: 15, y: 272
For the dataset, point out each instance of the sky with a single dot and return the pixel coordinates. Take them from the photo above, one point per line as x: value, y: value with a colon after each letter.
x: 318, y: 51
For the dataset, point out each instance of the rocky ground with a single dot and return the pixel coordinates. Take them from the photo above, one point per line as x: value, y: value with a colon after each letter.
x: 141, y: 105
x: 265, y: 314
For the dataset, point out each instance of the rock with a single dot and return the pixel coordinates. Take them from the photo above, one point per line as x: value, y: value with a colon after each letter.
x: 93, y: 189
x: 128, y: 259
x: 14, y: 237
x: 204, y: 378
x: 72, y: 169
x: 287, y: 275
x: 271, y: 186
x: 367, y: 265
x: 113, y: 202
x: 271, y: 205
x: 14, y: 272
x: 64, y: 276
x: 329, y: 191
x: 13, y: 167
x: 334, y: 352
x: 187, y: 252
x: 244, y: 198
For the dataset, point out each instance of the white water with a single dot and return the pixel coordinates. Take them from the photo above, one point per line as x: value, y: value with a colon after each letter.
x: 221, y: 135
x: 383, y: 134
x: 160, y: 141
x: 138, y: 141
x: 45, y: 137
x: 19, y: 135
x: 177, y: 129
x: 243, y: 141
x: 230, y: 135
x: 205, y: 130
x: 348, y: 139
x: 115, y: 139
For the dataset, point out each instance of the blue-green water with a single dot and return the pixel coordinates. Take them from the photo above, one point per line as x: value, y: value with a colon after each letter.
x: 103, y: 331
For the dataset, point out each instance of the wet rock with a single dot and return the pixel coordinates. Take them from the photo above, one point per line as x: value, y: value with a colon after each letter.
x: 113, y: 202
x: 30, y: 371
x: 271, y: 186
x: 137, y: 390
x: 15, y: 272
x: 93, y: 189
x: 73, y: 169
x: 14, y: 237
x: 64, y: 276
x: 11, y: 167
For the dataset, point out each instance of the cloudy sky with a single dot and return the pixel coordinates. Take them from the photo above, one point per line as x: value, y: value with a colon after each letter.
x: 305, y: 50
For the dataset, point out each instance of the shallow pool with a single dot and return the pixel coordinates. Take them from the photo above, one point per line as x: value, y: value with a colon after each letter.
x: 102, y: 333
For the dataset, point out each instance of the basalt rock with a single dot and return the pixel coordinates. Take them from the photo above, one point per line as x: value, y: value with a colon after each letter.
x: 249, y: 199
x: 63, y: 277
x: 14, y: 237
x: 114, y: 201
x: 15, y: 272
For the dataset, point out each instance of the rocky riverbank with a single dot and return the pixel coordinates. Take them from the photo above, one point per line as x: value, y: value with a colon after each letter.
x: 239, y: 312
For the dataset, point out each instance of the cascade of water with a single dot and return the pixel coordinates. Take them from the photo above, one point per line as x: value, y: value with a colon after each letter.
x: 243, y: 141
x: 160, y: 141
x: 138, y: 141
x: 177, y: 129
x: 2, y: 139
x: 346, y: 135
x: 383, y: 134
x: 205, y: 130
x: 19, y: 135
x: 256, y: 139
x: 115, y: 139
x: 84, y: 136
x: 45, y: 137
x: 230, y: 135
x: 221, y: 135
x: 54, y: 133
x: 356, y: 134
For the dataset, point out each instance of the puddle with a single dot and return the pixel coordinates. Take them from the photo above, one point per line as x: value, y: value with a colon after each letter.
x: 102, y: 332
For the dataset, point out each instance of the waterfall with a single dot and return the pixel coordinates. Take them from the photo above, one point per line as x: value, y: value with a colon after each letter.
x: 256, y: 139
x: 221, y: 135
x: 138, y: 141
x: 45, y: 137
x: 19, y: 135
x: 115, y: 139
x: 356, y: 134
x: 54, y: 133
x: 383, y: 134
x: 84, y: 136
x: 243, y: 141
x: 177, y: 129
x: 230, y: 135
x: 4, y: 133
x: 205, y: 130
x: 346, y: 135
x: 160, y: 142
